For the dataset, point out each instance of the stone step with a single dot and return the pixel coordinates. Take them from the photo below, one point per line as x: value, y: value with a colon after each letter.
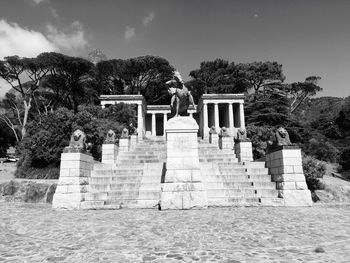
x: 125, y: 179
x: 252, y: 171
x: 266, y: 201
x: 132, y: 194
x: 104, y: 166
x: 92, y: 204
x: 131, y: 162
x: 104, y: 173
x: 234, y: 201
x: 138, y: 156
x: 218, y: 159
x: 119, y: 204
x: 254, y: 164
x: 144, y: 186
x: 240, y: 185
x: 236, y: 178
x: 246, y: 193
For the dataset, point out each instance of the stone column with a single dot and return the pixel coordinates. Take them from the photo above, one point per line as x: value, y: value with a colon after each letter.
x: 216, y: 116
x: 73, y: 183
x: 231, y: 119
x: 205, y: 121
x: 140, y: 121
x: 182, y: 187
x: 103, y: 105
x: 165, y: 119
x: 285, y: 167
x: 191, y: 114
x: 241, y: 115
x: 153, y: 124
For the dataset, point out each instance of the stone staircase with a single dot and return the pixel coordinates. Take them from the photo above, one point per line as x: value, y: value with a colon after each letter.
x: 230, y: 183
x: 134, y: 181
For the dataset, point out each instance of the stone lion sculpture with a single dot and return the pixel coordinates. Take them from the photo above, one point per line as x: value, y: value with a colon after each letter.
x: 78, y: 141
x: 242, y: 135
x: 110, y: 138
x: 224, y: 132
x: 212, y: 130
x: 181, y: 97
x: 279, y: 138
x: 125, y: 134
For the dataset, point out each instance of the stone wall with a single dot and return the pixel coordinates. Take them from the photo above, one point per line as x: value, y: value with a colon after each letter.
x: 31, y: 191
x: 285, y: 167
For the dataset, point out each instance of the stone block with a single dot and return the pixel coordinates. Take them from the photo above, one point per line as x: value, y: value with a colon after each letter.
x: 184, y: 200
x: 67, y: 201
x: 286, y: 185
x: 296, y: 197
x: 301, y: 185
x: 290, y: 153
x: 181, y: 187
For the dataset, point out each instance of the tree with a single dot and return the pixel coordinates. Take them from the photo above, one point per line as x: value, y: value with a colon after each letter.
x: 96, y: 56
x: 71, y: 81
x: 298, y: 92
x: 11, y: 114
x: 270, y: 109
x: 258, y: 75
x: 111, y: 76
x: 24, y: 75
x: 141, y: 72
x: 343, y: 118
x: 213, y: 74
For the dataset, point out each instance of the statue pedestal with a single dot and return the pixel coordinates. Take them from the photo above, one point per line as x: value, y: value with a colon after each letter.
x: 73, y: 182
x: 109, y: 153
x: 182, y: 187
x: 285, y: 167
x: 244, y: 151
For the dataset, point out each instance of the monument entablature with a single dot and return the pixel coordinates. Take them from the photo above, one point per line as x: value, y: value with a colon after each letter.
x: 219, y: 110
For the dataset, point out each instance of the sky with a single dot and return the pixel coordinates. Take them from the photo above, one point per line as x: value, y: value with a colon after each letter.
x: 308, y: 37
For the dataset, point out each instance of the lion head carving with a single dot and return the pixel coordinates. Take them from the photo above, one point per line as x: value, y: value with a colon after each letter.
x: 110, y: 138
x: 242, y: 135
x: 78, y: 140
x: 125, y: 134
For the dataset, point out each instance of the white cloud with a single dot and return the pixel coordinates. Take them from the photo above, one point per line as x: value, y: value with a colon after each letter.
x: 54, y: 12
x: 148, y: 19
x: 69, y: 39
x: 16, y: 40
x: 129, y: 33
x: 38, y: 1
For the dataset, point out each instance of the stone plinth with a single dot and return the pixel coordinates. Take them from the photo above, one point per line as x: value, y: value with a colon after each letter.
x: 109, y: 153
x: 214, y: 139
x: 285, y: 167
x: 227, y: 143
x: 73, y: 182
x: 133, y: 141
x: 244, y: 151
x: 182, y: 187
x: 124, y: 144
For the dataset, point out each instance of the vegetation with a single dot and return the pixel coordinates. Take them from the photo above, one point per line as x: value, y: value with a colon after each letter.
x: 314, y: 170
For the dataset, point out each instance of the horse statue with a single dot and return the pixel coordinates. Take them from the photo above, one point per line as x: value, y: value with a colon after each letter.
x: 181, y: 97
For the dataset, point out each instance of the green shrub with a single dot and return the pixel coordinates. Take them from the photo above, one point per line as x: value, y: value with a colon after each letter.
x: 41, y: 149
x: 344, y: 159
x: 322, y: 150
x: 259, y: 135
x: 314, y: 170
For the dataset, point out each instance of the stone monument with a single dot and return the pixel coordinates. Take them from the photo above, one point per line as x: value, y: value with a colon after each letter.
x: 109, y: 148
x: 284, y: 162
x: 182, y: 187
x: 124, y: 141
x: 75, y: 169
x: 181, y: 97
x: 213, y: 136
x: 243, y: 146
x: 225, y: 140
